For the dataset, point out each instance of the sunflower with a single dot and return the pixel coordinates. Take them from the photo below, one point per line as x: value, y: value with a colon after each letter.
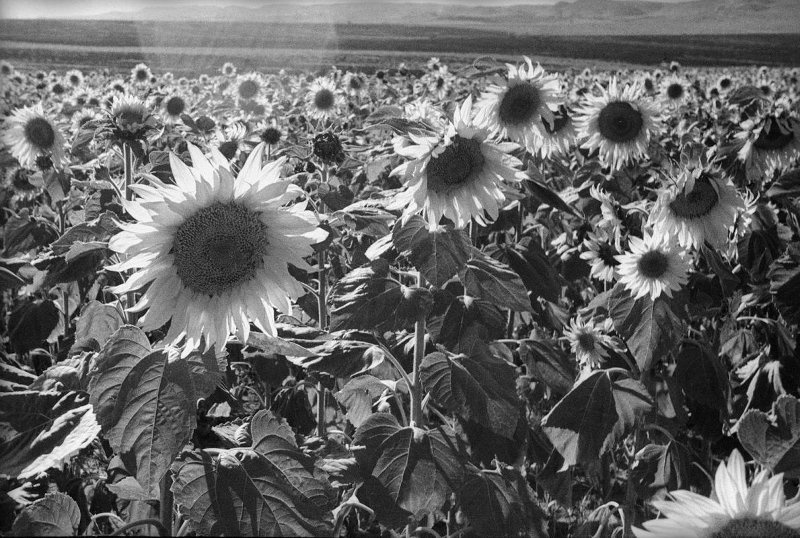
x: 600, y: 253
x: 674, y: 90
x: 733, y: 510
x: 697, y: 206
x: 30, y: 133
x: 130, y: 119
x: 140, y: 75
x: 323, y: 99
x: 772, y: 144
x: 458, y: 176
x: 724, y: 84
x: 228, y: 69
x: 653, y: 266
x: 75, y: 77
x: 618, y: 123
x: 6, y: 69
x: 518, y: 108
x: 248, y: 87
x: 214, y: 249
x: 588, y: 341
x: 173, y: 107
x: 558, y: 136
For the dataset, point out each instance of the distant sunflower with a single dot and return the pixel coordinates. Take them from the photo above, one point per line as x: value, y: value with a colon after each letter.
x: 140, y: 75
x: 724, y: 84
x: 674, y: 90
x: 458, y: 177
x: 75, y: 77
x: 698, y: 206
x: 618, y: 123
x: 652, y: 266
x: 30, y: 133
x: 323, y: 99
x: 518, y: 108
x: 734, y: 510
x: 248, y: 87
x: 214, y: 249
x: 6, y: 69
x: 228, y: 69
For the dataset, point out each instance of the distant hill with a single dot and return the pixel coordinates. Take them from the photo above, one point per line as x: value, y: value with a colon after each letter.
x: 581, y: 17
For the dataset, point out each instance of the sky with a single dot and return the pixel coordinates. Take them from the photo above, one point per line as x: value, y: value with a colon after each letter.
x: 32, y: 9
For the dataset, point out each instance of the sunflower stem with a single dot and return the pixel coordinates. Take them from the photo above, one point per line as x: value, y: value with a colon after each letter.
x: 127, y: 162
x: 166, y: 502
x: 419, y: 354
x: 322, y: 311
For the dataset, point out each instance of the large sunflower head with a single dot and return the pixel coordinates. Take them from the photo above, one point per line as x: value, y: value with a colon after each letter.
x: 459, y: 175
x: 618, y: 123
x: 213, y: 250
x: 31, y: 133
x: 734, y: 510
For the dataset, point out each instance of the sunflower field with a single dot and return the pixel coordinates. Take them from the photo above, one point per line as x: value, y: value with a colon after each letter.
x: 433, y: 301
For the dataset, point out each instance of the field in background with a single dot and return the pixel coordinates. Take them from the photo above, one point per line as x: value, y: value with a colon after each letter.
x: 187, y: 48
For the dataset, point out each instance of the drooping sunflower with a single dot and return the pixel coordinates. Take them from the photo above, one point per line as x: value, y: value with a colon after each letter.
x: 558, y: 136
x: 589, y: 341
x: 699, y: 205
x: 733, y: 510
x: 600, y: 253
x: 618, y: 123
x: 30, y: 133
x: 773, y: 143
x: 323, y: 99
x: 215, y: 249
x: 518, y: 108
x: 652, y: 266
x: 458, y: 176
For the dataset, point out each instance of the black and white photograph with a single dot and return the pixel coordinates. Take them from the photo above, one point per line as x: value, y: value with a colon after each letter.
x: 400, y: 269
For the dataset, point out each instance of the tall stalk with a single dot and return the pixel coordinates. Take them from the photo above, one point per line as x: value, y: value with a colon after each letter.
x: 322, y: 310
x: 419, y: 354
x: 127, y: 162
x: 166, y: 501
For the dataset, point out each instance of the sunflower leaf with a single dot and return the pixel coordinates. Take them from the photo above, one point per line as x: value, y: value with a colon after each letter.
x: 41, y: 430
x: 268, y: 489
x: 54, y: 515
x: 650, y: 328
x: 594, y: 415
x: 489, y: 279
x: 146, y: 401
x: 438, y: 255
x: 774, y: 441
x: 417, y: 468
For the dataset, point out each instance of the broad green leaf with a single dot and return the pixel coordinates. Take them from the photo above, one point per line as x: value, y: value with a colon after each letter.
x: 358, y: 396
x: 492, y: 281
x: 495, y: 507
x: 418, y: 468
x: 42, y: 430
x: 594, y: 415
x: 341, y: 358
x: 650, y: 328
x: 456, y: 318
x: 98, y: 321
x: 55, y: 514
x: 438, y: 255
x: 479, y: 387
x: 530, y: 262
x: 658, y: 469
x: 101, y: 229
x: 701, y: 374
x: 146, y: 401
x: 774, y: 439
x: 784, y: 283
x: 274, y: 345
x: 546, y: 363
x: 365, y: 298
x: 269, y: 489
x: 31, y: 323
